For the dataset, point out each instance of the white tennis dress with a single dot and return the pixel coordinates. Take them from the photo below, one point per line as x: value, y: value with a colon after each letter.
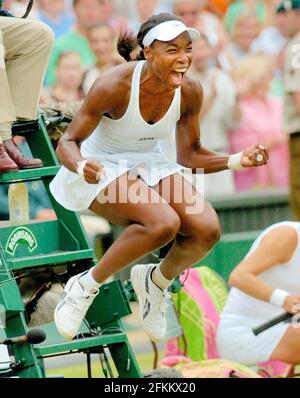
x: 235, y: 339
x: 128, y: 143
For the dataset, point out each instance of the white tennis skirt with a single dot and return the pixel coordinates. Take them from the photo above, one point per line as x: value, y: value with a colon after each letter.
x: 237, y: 342
x: 74, y: 193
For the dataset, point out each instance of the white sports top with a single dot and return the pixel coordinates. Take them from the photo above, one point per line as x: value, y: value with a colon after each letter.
x: 131, y: 132
x: 283, y: 276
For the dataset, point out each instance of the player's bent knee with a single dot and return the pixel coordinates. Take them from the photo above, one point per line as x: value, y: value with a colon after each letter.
x: 210, y: 235
x: 165, y: 231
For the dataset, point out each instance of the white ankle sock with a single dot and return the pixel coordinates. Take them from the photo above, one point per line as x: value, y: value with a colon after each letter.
x: 87, y: 281
x: 159, y: 279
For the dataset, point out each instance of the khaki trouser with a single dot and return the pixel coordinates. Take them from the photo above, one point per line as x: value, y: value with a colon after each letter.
x: 25, y: 47
x: 294, y: 144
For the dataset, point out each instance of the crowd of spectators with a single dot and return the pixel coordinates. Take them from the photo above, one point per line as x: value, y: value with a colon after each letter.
x: 238, y: 62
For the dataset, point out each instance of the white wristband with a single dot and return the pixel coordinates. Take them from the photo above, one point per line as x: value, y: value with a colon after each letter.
x: 234, y: 161
x: 278, y: 297
x: 81, y: 167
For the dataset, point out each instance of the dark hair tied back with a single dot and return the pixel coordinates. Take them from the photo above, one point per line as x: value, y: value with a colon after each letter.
x: 127, y: 43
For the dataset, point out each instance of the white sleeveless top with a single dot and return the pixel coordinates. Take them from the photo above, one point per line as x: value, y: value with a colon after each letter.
x: 131, y: 132
x: 122, y: 145
x: 284, y: 276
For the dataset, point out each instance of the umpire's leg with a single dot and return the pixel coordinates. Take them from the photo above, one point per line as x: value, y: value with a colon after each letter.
x: 7, y: 110
x: 25, y: 47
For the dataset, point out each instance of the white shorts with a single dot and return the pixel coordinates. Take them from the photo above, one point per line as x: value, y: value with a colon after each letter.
x: 237, y: 342
x: 74, y: 193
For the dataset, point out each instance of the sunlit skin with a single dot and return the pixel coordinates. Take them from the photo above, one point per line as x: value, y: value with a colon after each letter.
x: 177, y: 54
x: 152, y: 225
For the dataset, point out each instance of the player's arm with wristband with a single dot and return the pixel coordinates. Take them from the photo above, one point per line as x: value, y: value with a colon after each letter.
x: 190, y: 152
x: 276, y: 247
x: 100, y: 100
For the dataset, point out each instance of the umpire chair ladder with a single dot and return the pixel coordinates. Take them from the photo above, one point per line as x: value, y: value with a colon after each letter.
x: 45, y: 244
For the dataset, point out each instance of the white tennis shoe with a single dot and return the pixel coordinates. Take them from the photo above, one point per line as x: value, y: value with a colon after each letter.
x: 73, y: 306
x: 152, y: 301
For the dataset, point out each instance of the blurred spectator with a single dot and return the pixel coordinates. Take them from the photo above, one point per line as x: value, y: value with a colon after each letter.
x: 239, y: 7
x: 69, y: 5
x: 270, y: 42
x: 55, y: 14
x: 244, y: 31
x: 18, y: 8
x: 188, y: 10
x: 270, y: 8
x: 87, y: 13
x: 289, y: 12
x: 140, y: 10
x: 196, y: 16
x: 69, y: 76
x: 45, y: 97
x: 103, y: 43
x: 213, y: 29
x: 219, y: 113
x: 108, y: 14
x: 143, y: 10
x: 218, y: 7
x: 261, y: 121
x: 247, y: 37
